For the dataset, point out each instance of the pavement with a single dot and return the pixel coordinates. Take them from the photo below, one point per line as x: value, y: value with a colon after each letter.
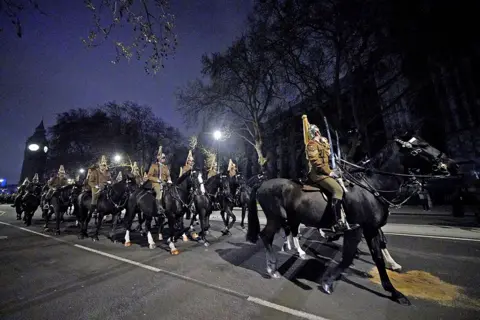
x: 44, y: 276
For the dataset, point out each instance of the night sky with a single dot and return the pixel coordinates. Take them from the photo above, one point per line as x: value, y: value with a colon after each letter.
x: 49, y: 70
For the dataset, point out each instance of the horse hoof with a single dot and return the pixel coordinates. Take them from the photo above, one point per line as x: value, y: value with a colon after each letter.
x: 395, y: 268
x: 185, y: 238
x: 95, y: 238
x: 81, y: 236
x: 206, y: 244
x: 152, y: 246
x: 274, y: 274
x: 127, y: 244
x: 242, y: 225
x: 327, y: 288
x: 303, y: 256
x: 401, y: 299
x: 46, y: 229
x: 174, y: 252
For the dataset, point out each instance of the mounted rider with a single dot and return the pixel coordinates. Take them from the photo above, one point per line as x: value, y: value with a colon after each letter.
x: 21, y: 192
x: 211, y: 165
x: 97, y: 178
x: 159, y: 174
x: 33, y: 185
x: 188, y: 163
x: 320, y: 173
x: 60, y: 180
x: 232, y: 169
x: 136, y: 174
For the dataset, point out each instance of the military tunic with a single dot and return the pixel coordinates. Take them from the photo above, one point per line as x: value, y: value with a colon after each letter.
x: 96, y: 182
x: 57, y: 182
x: 232, y: 172
x: 317, y: 153
x: 156, y: 174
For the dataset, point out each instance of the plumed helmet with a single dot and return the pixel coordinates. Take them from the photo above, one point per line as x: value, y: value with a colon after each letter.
x: 35, y: 178
x: 312, y: 130
x: 103, y: 160
x: 61, y: 170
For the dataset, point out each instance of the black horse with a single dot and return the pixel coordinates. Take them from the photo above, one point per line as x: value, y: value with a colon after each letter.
x: 58, y: 204
x: 29, y: 203
x: 287, y: 204
x: 204, y: 195
x: 112, y: 200
x: 241, y: 198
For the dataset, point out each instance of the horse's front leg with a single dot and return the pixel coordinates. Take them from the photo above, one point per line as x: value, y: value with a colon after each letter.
x: 148, y: 227
x: 351, y: 239
x: 115, y: 220
x: 203, y: 221
x: 101, y: 214
x: 244, y: 211
x: 58, y: 218
x: 171, y: 236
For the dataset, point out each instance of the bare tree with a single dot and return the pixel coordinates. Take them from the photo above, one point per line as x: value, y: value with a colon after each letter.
x: 149, y: 22
x: 240, y: 90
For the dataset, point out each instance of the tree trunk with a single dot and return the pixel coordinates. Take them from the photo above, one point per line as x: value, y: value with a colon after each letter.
x: 259, y: 145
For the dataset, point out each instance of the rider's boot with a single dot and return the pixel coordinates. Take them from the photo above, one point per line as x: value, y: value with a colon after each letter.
x: 341, y: 225
x: 93, y: 209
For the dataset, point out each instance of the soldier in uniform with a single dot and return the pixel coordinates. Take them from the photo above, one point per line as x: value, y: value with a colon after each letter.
x: 318, y: 151
x: 21, y: 192
x: 188, y: 163
x: 56, y: 182
x: 33, y: 185
x: 212, y: 166
x: 136, y: 175
x: 232, y: 169
x: 158, y: 174
x: 97, y: 179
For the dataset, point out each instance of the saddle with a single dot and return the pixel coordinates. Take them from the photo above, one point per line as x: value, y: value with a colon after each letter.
x: 309, y: 186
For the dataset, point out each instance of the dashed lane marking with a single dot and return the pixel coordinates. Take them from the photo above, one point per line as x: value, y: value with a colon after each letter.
x: 252, y: 299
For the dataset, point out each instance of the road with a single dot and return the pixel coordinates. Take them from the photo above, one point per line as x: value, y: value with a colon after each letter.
x: 60, y: 277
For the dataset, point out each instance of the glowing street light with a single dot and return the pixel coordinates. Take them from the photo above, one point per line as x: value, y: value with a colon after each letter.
x: 217, y: 135
x: 117, y: 158
x: 33, y: 147
x: 81, y: 170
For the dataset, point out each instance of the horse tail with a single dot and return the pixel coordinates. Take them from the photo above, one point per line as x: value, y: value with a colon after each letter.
x: 253, y: 222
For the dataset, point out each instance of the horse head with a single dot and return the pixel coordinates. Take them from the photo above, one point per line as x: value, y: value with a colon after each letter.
x: 421, y: 155
x: 196, y: 180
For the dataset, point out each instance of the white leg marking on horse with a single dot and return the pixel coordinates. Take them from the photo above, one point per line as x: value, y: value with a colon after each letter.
x: 234, y: 293
x: 76, y: 223
x: 322, y: 234
x: 160, y: 236
x: 389, y: 262
x: 151, y: 242
x: 289, y: 242
x: 185, y: 238
x: 301, y: 253
x: 127, y: 237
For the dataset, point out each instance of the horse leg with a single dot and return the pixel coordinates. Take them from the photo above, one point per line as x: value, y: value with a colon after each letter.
x: 98, y: 226
x: 171, y: 238
x: 148, y: 227
x: 296, y: 242
x: 389, y: 262
x: 287, y: 245
x: 112, y: 234
x: 203, y: 222
x: 374, y: 244
x: 225, y: 220
x: 351, y: 239
x: 244, y: 211
x: 230, y: 214
x: 267, y: 235
x: 58, y: 219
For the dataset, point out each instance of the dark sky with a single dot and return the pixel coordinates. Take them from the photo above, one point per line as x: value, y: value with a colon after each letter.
x: 49, y: 70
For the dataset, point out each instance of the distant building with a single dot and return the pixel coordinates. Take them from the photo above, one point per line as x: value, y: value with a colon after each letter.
x: 35, y: 155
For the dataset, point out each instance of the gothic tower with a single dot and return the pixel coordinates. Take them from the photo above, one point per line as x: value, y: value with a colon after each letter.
x: 35, y: 156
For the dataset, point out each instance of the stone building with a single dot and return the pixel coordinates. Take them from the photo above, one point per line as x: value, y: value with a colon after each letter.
x: 35, y: 154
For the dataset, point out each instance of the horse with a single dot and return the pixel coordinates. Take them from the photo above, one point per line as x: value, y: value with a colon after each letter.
x: 112, y: 200
x: 29, y: 203
x: 241, y: 195
x: 203, y: 195
x: 58, y: 204
x: 287, y: 204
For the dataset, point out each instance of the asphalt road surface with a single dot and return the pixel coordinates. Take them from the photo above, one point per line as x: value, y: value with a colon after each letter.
x: 60, y: 277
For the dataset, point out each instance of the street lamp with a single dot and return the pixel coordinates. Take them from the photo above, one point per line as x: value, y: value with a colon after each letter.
x: 33, y: 147
x: 217, y: 135
x: 117, y: 158
x: 81, y: 170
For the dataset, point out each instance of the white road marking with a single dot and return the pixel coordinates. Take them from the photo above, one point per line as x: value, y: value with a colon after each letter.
x: 278, y: 307
x: 432, y: 237
x: 2, y: 213
x: 252, y: 299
